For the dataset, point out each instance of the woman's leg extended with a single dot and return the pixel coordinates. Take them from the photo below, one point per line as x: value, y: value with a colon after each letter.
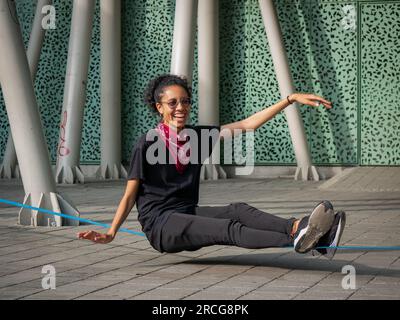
x: 248, y: 216
x: 192, y: 232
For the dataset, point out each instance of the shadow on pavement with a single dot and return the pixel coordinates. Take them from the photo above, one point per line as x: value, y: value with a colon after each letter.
x: 292, y: 262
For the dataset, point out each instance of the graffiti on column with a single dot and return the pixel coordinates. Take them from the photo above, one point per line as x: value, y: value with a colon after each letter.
x: 62, y: 149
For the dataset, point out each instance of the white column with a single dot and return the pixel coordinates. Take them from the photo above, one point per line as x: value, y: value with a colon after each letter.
x: 183, y: 41
x: 305, y: 169
x: 68, y: 151
x: 26, y: 128
x: 9, y: 168
x: 208, y: 71
x: 110, y: 75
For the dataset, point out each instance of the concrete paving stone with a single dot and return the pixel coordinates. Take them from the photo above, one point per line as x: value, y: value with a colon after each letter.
x: 395, y: 265
x: 80, y: 267
x: 216, y: 293
x: 374, y: 261
x: 307, y: 277
x: 380, y: 289
x: 108, y: 296
x: 373, y: 219
x: 19, y: 277
x: 372, y: 297
x: 346, y: 255
x: 9, y: 242
x: 201, y: 281
x: 6, y: 269
x: 207, y: 279
x: 127, y: 289
x: 335, y: 280
x: 162, y: 293
x: 43, y: 241
x: 70, y: 290
x: 27, y: 265
x: 18, y: 291
x: 283, y: 285
x: 336, y: 295
x: 153, y: 280
x: 34, y: 245
x: 269, y: 295
x: 141, y: 245
x: 115, y: 276
x: 49, y: 295
x: 33, y: 253
x: 70, y: 253
x: 385, y: 279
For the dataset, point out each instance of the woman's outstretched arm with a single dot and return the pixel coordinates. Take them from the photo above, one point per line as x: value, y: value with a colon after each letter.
x: 258, y: 119
x: 124, y: 208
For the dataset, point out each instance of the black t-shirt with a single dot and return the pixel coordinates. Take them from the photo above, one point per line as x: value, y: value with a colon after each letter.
x: 163, y: 190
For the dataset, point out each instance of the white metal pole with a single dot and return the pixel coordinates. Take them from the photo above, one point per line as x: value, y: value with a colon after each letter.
x: 9, y: 168
x: 183, y: 41
x: 26, y: 128
x: 36, y: 38
x: 110, y: 77
x: 305, y: 169
x: 208, y: 73
x: 68, y: 151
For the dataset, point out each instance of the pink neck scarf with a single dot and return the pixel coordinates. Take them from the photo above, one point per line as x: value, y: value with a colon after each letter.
x: 175, y: 143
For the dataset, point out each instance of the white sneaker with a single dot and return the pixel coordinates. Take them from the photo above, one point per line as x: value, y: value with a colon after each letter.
x: 313, y: 227
x: 327, y: 245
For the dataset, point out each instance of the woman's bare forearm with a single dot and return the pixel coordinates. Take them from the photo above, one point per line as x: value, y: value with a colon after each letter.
x: 124, y: 208
x: 259, y: 118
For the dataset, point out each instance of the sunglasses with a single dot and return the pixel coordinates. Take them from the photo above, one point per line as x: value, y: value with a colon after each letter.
x: 173, y: 103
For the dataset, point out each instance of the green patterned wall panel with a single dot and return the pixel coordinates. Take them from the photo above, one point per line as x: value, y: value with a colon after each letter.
x: 233, y: 53
x: 25, y: 17
x: 248, y: 82
x: 380, y: 84
x: 333, y: 63
x: 272, y: 140
x: 49, y: 84
x: 322, y: 51
x: 146, y: 51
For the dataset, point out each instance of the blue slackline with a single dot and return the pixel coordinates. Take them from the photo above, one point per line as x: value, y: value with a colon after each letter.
x: 17, y: 204
x: 67, y: 216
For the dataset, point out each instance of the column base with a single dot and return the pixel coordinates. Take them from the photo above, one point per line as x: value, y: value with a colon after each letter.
x: 8, y: 171
x: 49, y: 201
x: 307, y: 173
x: 212, y: 172
x: 111, y: 171
x: 69, y: 175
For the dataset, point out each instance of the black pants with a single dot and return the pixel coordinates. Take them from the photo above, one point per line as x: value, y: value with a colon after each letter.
x: 237, y: 224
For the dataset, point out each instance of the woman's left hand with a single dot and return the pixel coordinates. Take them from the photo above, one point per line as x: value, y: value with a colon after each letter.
x: 310, y: 100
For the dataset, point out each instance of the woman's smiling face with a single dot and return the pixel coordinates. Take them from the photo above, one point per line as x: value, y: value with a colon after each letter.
x: 174, y: 106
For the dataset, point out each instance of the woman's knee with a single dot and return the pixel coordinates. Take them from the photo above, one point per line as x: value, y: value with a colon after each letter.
x: 238, y: 207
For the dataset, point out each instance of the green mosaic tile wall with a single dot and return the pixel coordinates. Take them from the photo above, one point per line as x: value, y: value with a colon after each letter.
x: 380, y: 83
x: 346, y: 51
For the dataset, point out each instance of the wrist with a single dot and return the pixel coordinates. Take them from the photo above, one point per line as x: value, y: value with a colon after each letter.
x: 291, y: 98
x: 111, y: 233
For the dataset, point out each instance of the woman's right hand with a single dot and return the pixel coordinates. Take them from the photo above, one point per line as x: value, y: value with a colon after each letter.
x: 96, y: 236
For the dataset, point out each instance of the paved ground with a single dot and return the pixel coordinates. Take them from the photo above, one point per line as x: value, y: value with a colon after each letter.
x: 128, y: 268
x: 369, y: 179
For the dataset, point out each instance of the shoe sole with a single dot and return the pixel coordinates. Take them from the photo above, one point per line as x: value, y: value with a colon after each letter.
x: 332, y: 251
x: 321, y: 220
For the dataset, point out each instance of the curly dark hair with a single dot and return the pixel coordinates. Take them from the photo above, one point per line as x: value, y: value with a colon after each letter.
x: 155, y: 89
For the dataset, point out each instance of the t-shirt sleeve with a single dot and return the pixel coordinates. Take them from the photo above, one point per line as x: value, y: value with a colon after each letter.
x: 136, y: 168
